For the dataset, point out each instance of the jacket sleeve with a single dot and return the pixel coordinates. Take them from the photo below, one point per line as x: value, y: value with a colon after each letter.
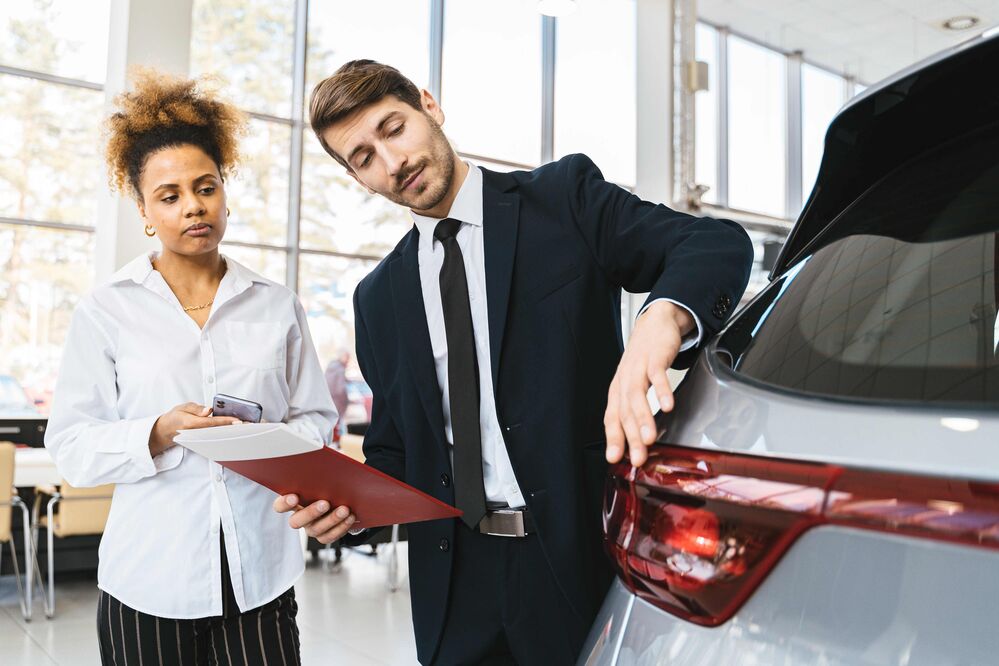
x: 701, y: 263
x: 383, y: 445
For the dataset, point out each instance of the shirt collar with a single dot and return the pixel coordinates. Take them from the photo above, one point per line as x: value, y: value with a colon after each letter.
x: 136, y: 270
x: 139, y: 269
x: 467, y: 207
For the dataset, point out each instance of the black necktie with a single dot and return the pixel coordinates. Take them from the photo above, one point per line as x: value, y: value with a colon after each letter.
x: 462, y: 377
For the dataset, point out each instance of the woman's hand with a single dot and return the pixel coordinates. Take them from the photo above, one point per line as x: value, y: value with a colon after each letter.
x: 183, y: 417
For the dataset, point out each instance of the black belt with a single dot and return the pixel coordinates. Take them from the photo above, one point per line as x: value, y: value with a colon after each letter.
x: 507, y: 522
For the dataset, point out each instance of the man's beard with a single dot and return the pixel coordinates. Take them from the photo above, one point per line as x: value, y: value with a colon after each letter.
x: 441, y: 157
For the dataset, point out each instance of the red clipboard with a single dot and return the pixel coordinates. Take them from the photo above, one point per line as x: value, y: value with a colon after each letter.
x: 280, y: 458
x: 375, y: 498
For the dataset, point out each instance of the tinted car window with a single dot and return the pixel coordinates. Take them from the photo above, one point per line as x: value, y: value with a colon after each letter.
x: 897, y: 298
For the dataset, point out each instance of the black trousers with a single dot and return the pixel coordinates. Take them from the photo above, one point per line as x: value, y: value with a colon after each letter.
x: 505, y: 606
x: 267, y: 635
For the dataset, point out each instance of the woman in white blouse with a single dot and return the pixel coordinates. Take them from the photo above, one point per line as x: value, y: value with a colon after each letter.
x: 195, y: 567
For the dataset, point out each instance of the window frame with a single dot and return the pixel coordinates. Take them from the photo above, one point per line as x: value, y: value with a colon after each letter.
x: 795, y: 197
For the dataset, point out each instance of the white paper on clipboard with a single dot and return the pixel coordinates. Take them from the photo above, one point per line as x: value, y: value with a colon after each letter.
x: 246, y: 441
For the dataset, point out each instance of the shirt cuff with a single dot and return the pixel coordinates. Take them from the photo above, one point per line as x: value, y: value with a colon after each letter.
x: 135, y: 444
x: 690, y: 340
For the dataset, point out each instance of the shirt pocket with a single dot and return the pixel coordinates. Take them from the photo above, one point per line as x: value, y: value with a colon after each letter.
x: 256, y: 345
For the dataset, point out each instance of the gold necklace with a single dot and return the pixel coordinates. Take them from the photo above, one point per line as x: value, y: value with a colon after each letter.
x: 191, y: 308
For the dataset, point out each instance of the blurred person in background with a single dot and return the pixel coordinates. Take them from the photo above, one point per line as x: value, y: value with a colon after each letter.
x: 336, y: 381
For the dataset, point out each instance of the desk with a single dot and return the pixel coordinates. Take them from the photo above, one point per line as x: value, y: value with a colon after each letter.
x: 34, y: 467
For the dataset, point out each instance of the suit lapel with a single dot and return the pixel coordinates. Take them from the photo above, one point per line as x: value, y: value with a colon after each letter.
x: 411, y: 319
x: 500, y: 219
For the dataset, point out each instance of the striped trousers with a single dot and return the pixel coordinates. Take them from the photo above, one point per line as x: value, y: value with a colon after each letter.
x: 264, y: 636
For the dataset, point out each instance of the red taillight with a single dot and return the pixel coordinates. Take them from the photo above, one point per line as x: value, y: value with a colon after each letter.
x: 696, y: 531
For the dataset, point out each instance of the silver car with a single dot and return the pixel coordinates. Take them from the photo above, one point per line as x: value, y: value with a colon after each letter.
x: 827, y: 491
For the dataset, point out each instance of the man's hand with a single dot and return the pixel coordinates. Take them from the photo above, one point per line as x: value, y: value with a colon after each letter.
x: 183, y: 417
x: 319, y: 522
x: 654, y: 344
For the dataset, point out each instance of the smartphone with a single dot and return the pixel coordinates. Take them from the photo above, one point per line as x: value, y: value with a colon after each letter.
x: 244, y: 410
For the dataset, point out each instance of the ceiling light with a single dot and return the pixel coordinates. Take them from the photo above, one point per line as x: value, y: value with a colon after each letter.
x: 556, y: 8
x: 961, y: 22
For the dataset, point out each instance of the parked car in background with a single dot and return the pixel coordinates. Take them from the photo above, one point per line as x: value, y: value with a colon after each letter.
x: 827, y: 489
x: 14, y: 402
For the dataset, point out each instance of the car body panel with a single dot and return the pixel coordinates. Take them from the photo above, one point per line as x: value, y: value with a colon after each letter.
x: 839, y: 597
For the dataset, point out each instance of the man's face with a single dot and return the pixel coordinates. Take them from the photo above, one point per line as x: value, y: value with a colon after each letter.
x: 397, y: 151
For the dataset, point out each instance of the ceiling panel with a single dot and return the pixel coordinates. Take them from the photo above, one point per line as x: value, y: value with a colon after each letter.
x: 868, y: 39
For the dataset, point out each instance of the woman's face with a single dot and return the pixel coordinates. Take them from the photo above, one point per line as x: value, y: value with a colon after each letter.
x: 184, y: 200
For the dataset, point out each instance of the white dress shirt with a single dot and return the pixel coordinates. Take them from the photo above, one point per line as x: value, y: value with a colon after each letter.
x: 497, y: 472
x: 131, y: 355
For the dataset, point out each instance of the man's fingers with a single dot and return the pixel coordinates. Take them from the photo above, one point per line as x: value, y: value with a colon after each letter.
x: 309, y: 514
x: 192, y: 408
x: 330, y: 523
x: 628, y: 421
x: 639, y: 425
x: 337, y: 532
x: 286, y: 503
x: 660, y: 382
x: 612, y: 426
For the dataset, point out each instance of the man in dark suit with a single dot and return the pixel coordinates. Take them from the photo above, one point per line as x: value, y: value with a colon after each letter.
x: 491, y: 339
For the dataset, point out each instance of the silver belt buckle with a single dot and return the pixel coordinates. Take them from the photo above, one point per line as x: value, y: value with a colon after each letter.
x: 503, y: 522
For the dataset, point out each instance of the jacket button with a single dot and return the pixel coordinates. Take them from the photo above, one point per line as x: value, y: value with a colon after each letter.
x: 445, y: 545
x: 445, y: 480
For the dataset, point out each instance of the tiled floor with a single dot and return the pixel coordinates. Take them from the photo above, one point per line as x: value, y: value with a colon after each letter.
x: 345, y: 617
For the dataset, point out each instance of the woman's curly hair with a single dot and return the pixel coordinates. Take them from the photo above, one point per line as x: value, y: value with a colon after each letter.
x: 164, y: 111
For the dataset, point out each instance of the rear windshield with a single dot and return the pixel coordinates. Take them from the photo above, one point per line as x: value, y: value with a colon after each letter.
x: 897, y: 300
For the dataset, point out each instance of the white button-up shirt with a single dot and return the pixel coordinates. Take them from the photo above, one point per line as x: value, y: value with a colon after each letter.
x: 497, y: 472
x: 131, y: 355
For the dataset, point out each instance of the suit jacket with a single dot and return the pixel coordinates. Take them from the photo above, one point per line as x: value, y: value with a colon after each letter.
x: 560, y: 243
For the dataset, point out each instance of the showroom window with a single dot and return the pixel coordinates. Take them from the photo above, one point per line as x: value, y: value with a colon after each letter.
x: 823, y: 93
x: 597, y: 43
x: 53, y: 58
x: 742, y: 135
x: 513, y: 84
x: 756, y: 128
x: 299, y: 218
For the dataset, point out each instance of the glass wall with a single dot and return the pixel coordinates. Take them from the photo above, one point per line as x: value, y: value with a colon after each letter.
x: 327, y: 233
x: 746, y: 167
x: 757, y: 149
x: 822, y: 95
x: 598, y: 40
x: 296, y: 216
x: 53, y: 57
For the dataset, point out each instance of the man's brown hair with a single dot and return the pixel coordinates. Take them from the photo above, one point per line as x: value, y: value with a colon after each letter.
x: 357, y: 84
